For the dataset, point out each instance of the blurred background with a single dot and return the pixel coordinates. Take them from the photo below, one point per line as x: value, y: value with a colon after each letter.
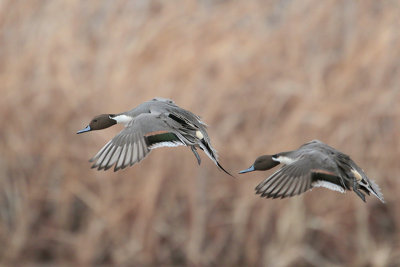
x: 266, y: 76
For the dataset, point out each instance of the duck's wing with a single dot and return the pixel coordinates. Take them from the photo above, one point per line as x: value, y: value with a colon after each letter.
x: 312, y: 169
x: 145, y: 132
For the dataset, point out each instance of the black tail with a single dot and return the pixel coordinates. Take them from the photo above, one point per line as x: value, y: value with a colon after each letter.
x: 219, y: 166
x: 210, y: 154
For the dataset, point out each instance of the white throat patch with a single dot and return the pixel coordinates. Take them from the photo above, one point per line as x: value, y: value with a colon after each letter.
x: 284, y: 160
x: 122, y: 119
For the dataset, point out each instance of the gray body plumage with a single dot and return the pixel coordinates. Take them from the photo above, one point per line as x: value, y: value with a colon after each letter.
x: 316, y: 164
x: 155, y: 123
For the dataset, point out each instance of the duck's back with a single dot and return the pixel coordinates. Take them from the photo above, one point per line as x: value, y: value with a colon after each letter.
x: 316, y: 145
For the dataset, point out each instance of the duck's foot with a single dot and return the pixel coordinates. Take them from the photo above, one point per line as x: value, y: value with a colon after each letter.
x: 194, y: 150
x: 357, y: 191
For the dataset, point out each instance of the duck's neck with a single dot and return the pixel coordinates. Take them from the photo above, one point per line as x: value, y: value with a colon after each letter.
x: 121, y: 118
x: 284, y: 157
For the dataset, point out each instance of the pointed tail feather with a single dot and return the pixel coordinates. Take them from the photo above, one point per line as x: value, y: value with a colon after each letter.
x: 375, y: 190
x: 219, y: 166
x: 212, y: 155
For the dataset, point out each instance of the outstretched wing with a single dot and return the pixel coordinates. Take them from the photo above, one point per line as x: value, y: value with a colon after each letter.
x: 134, y: 142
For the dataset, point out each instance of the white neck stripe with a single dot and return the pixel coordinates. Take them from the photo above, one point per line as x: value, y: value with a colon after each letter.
x: 284, y: 160
x: 122, y: 119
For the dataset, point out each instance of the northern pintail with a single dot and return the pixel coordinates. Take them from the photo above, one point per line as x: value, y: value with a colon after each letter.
x: 314, y: 164
x: 155, y: 123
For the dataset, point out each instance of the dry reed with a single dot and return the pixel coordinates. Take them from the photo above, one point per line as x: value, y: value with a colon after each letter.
x: 266, y: 76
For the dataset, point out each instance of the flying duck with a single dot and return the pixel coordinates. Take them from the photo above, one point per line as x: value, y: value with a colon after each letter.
x: 314, y: 164
x: 155, y: 123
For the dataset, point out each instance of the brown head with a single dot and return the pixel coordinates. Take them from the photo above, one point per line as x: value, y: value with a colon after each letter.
x: 99, y: 122
x: 262, y: 163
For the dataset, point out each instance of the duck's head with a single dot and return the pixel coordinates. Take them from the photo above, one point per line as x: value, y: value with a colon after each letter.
x: 262, y: 163
x: 99, y: 122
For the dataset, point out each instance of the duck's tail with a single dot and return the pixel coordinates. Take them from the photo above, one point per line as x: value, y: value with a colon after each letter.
x: 212, y: 154
x: 369, y: 186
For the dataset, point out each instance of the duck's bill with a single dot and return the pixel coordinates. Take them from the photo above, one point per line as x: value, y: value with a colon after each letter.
x: 87, y: 129
x: 247, y: 170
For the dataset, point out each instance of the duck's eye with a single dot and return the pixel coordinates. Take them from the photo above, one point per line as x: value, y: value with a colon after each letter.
x: 94, y: 120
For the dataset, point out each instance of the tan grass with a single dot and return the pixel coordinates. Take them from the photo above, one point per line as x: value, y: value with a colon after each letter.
x: 266, y: 76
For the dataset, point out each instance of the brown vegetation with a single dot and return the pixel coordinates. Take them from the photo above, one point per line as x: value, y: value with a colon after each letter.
x: 266, y: 76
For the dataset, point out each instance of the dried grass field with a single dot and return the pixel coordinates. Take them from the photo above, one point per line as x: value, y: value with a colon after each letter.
x: 266, y: 76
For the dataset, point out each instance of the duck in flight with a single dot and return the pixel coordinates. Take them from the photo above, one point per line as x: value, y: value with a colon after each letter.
x: 314, y: 164
x: 155, y: 123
